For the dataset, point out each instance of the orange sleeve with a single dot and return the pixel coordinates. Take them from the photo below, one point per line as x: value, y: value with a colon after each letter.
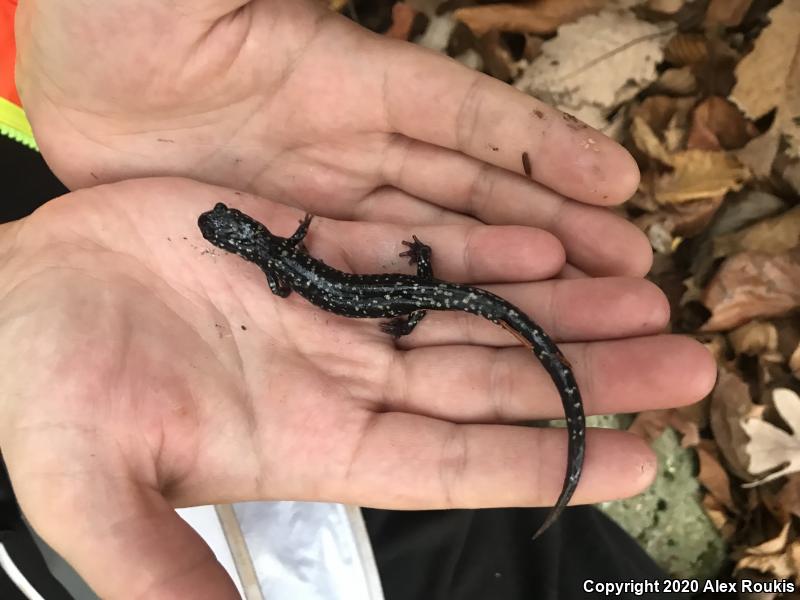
x: 13, y: 122
x: 8, y: 51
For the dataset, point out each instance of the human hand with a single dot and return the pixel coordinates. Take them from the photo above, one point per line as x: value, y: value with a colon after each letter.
x: 294, y: 103
x: 145, y: 370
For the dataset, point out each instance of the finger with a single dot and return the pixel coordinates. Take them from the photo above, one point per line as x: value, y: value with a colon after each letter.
x: 388, y: 204
x: 474, y: 384
x: 466, y: 253
x: 412, y: 462
x: 596, y: 240
x: 567, y: 309
x: 391, y: 205
x: 491, y: 121
x: 476, y: 253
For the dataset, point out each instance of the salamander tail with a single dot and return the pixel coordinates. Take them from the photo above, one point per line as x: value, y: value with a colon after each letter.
x: 560, y: 372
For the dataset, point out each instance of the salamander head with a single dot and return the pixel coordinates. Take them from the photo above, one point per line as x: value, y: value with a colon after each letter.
x: 234, y: 231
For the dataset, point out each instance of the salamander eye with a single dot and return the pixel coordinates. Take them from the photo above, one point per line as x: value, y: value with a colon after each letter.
x: 220, y: 207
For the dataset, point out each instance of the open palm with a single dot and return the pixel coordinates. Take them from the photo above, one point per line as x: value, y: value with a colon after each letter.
x: 188, y: 382
x: 292, y: 102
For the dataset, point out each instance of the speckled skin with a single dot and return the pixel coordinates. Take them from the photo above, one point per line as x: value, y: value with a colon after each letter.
x: 288, y: 268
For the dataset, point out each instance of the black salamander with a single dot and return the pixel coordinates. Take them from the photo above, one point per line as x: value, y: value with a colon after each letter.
x: 288, y: 268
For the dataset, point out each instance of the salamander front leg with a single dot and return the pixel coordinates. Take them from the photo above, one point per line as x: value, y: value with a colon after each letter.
x: 419, y: 254
x: 402, y: 325
x: 300, y: 232
x: 277, y: 285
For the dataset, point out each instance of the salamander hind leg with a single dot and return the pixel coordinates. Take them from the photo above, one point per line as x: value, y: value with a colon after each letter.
x: 277, y: 285
x: 402, y: 325
x: 419, y: 254
x: 300, y: 233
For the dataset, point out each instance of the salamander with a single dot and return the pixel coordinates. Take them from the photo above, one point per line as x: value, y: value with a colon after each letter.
x: 404, y: 299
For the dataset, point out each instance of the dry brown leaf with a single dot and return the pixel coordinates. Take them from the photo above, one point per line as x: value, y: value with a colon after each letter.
x: 775, y: 235
x: 769, y: 79
x: 730, y: 404
x: 650, y: 424
x: 776, y: 544
x: 699, y: 174
x: 788, y: 498
x: 713, y: 477
x: 780, y: 565
x: 715, y: 511
x: 754, y: 337
x: 770, y: 447
x: 402, y: 21
x: 774, y: 556
x: 596, y: 63
x: 695, y: 175
x: 762, y: 76
x: 777, y: 557
x: 750, y: 285
x: 687, y: 219
x: 718, y: 125
x: 770, y: 549
x: 727, y: 12
x: 686, y: 49
x: 691, y: 435
x: 720, y: 517
x: 544, y: 16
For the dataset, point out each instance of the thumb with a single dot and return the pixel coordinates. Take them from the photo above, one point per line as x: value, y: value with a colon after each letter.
x: 126, y: 541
